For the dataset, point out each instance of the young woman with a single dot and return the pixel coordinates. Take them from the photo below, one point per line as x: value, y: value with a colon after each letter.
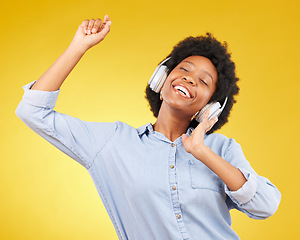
x: 175, y: 179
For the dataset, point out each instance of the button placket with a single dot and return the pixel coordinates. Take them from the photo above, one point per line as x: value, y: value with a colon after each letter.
x: 173, y: 180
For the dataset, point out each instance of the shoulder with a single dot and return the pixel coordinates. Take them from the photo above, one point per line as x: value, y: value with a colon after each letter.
x: 125, y: 128
x: 218, y: 139
x: 220, y: 143
x: 127, y: 135
x: 121, y: 126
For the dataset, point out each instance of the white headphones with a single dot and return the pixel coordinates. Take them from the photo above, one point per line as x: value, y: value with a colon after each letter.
x: 157, y: 81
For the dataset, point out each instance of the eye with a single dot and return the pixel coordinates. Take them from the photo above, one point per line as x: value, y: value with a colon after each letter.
x: 184, y: 69
x: 201, y: 80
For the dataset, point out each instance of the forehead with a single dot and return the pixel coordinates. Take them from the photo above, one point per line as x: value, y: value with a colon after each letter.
x: 199, y: 60
x: 201, y: 63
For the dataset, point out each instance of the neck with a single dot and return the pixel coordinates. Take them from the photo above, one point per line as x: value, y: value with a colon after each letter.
x: 171, y: 123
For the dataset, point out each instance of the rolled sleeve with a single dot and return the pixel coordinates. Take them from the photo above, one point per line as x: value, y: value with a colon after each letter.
x: 258, y: 197
x: 81, y: 140
x: 246, y: 192
x: 44, y: 99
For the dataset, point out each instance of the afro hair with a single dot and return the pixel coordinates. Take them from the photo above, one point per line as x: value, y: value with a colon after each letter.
x: 209, y: 47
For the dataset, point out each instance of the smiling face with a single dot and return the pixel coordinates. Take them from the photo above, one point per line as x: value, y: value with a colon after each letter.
x: 190, y: 85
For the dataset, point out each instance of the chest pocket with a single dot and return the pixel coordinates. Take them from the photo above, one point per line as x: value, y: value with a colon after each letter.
x: 203, y: 178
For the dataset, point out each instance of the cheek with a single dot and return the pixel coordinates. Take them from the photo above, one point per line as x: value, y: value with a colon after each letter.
x: 167, y: 87
x: 204, y: 96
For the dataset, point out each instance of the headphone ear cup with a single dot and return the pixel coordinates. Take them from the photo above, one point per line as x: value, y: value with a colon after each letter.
x: 201, y: 114
x: 159, y: 77
x: 214, y: 110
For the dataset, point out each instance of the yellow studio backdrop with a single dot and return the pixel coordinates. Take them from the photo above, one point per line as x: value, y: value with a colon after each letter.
x: 47, y: 195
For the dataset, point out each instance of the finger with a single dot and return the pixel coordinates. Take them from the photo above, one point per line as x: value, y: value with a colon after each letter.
x: 105, y: 28
x: 97, y: 25
x: 105, y: 22
x: 212, y: 122
x: 91, y: 24
x: 201, y: 128
x: 184, y: 137
x: 205, y: 119
x: 84, y: 25
x: 106, y: 19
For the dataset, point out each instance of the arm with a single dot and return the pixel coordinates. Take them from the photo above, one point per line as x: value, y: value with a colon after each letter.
x: 229, y: 174
x: 79, y: 139
x: 248, y: 192
x: 89, y: 34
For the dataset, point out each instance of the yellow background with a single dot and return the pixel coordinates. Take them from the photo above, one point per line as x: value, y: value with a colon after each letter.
x: 46, y: 195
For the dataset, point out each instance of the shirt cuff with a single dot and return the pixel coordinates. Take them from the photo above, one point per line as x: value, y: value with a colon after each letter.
x: 45, y: 99
x: 247, y: 191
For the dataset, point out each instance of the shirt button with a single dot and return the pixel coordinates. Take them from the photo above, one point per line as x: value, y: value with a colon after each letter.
x: 178, y: 216
x: 173, y: 145
x: 172, y: 166
x: 174, y: 187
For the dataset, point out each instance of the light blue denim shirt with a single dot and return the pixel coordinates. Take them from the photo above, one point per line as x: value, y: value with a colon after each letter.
x: 151, y: 187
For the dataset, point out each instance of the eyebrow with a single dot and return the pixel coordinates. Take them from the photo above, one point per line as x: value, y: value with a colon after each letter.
x: 204, y: 70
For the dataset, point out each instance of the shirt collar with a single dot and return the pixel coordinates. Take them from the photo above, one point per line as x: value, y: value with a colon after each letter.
x: 143, y: 129
x: 148, y: 127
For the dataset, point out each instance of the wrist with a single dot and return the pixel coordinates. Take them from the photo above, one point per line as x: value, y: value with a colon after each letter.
x: 78, y: 47
x: 201, y: 152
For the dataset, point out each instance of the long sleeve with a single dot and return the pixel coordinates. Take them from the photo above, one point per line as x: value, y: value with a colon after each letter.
x: 258, y: 197
x: 78, y: 139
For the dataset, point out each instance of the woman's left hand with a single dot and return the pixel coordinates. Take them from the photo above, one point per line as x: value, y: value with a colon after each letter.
x: 195, y: 143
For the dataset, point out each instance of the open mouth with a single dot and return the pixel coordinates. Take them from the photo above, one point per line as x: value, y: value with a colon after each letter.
x: 182, y: 91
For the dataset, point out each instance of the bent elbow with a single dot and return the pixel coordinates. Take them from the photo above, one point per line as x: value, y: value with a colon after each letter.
x: 20, y: 112
x: 269, y: 208
x: 273, y: 201
x: 29, y: 114
x: 274, y: 204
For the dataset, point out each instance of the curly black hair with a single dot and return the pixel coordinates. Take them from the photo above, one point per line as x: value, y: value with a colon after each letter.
x: 209, y: 47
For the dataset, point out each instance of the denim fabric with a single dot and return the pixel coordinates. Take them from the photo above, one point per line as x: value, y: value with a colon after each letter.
x: 151, y: 187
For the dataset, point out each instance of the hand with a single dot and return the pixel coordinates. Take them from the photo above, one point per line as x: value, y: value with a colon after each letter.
x: 91, y: 32
x: 230, y: 175
x: 195, y: 143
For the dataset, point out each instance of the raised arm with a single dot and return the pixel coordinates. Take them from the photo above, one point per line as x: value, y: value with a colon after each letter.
x: 89, y: 33
x: 79, y: 139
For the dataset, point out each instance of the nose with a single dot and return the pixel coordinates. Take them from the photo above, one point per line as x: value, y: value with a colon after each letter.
x: 189, y: 80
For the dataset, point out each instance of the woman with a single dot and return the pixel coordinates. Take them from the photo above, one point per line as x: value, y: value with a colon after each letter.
x: 174, y: 179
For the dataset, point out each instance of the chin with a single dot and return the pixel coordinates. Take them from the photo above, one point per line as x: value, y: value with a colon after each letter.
x: 179, y: 106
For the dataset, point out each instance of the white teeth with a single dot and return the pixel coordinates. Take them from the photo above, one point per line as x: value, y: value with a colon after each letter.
x: 184, y: 90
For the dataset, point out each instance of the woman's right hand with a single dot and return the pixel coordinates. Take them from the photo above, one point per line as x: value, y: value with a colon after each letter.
x: 91, y: 32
